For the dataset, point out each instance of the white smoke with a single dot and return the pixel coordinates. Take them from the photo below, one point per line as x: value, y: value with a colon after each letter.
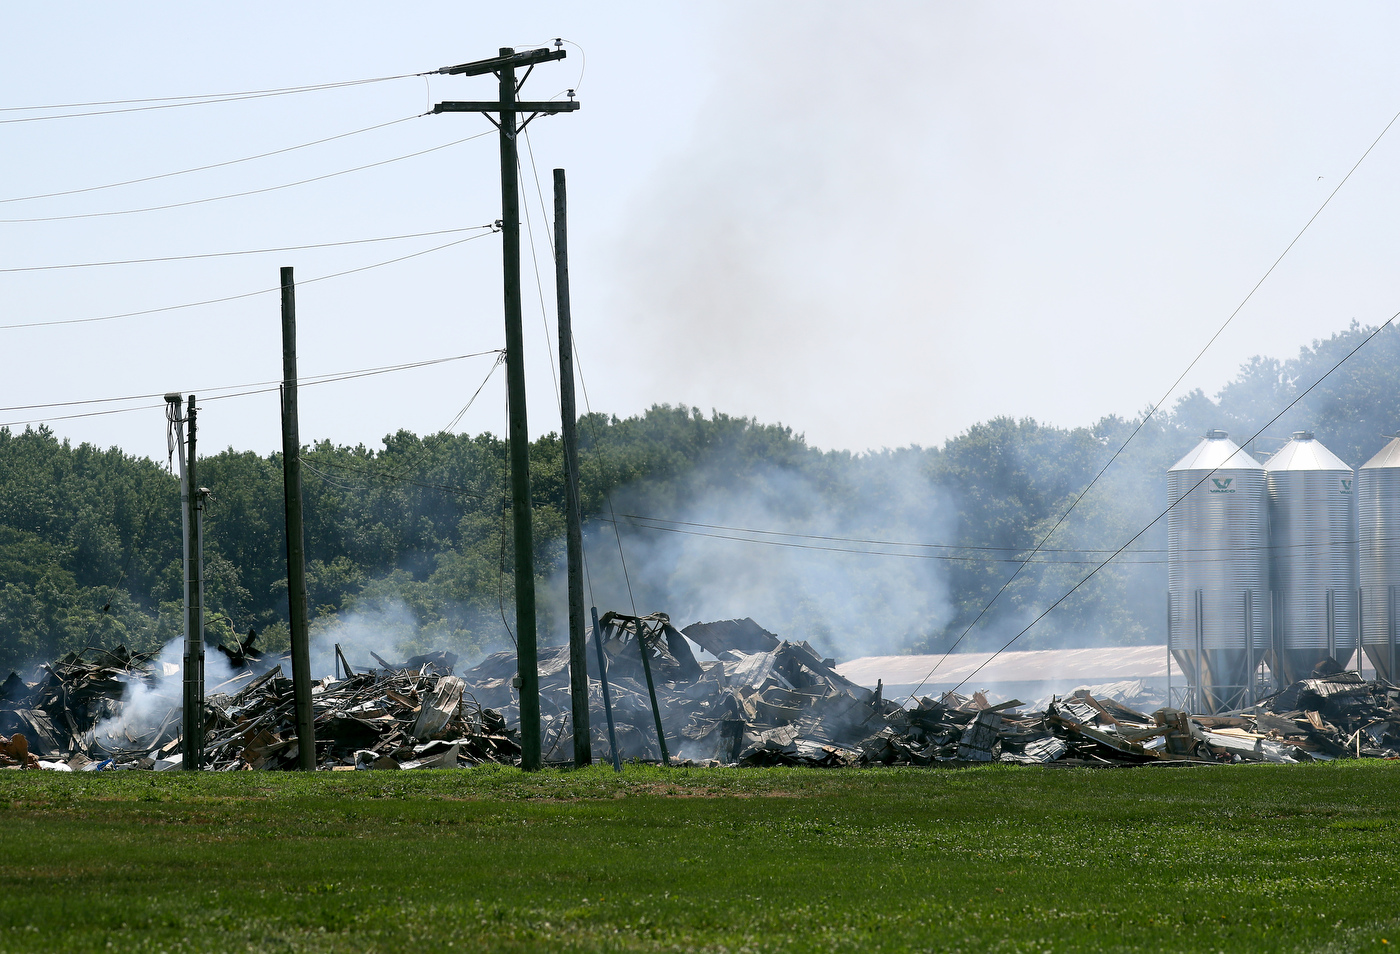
x: 384, y: 627
x: 154, y: 702
x: 809, y: 577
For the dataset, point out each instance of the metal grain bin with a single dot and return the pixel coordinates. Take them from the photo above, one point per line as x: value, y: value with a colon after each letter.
x: 1312, y: 531
x: 1218, y: 571
x: 1378, y: 546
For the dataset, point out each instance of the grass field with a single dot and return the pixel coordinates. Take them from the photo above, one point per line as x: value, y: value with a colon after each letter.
x: 1243, y: 858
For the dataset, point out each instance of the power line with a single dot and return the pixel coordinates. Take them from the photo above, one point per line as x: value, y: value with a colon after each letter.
x: 607, y: 497
x: 336, y: 376
x: 1092, y: 573
x: 305, y: 380
x: 212, y: 165
x: 250, y: 251
x: 1153, y: 410
x: 549, y: 345
x: 834, y: 549
x: 506, y: 504
x: 565, y: 41
x: 607, y: 494
x: 423, y: 450
x: 948, y: 558
x: 239, y: 195
x: 632, y: 519
x: 588, y: 404
x: 534, y: 258
x: 176, y: 102
x: 228, y: 298
x: 327, y: 478
x: 500, y: 360
x: 386, y: 475
x: 887, y: 543
x: 241, y: 390
x: 583, y: 62
x: 399, y: 476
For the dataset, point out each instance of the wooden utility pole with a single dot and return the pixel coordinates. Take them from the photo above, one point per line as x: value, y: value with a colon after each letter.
x: 508, y: 108
x: 296, y: 539
x: 192, y: 516
x: 578, y: 645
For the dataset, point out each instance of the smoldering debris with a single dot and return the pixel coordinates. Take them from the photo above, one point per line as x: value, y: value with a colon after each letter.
x: 749, y: 699
x: 102, y: 710
x: 59, y: 714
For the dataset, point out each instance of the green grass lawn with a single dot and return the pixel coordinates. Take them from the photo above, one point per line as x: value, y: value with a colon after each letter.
x: 1243, y: 858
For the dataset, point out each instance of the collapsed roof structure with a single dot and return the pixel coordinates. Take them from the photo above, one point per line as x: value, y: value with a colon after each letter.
x: 748, y: 698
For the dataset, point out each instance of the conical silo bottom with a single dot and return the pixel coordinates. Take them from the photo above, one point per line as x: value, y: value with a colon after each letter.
x: 1385, y: 660
x: 1299, y: 662
x: 1223, y: 682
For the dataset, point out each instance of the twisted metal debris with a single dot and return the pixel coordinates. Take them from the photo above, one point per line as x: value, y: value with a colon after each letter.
x: 751, y: 699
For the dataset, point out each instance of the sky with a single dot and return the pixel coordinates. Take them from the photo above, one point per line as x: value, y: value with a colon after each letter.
x: 877, y: 225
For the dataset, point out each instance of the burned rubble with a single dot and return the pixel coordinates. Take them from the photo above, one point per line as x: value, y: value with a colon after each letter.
x: 410, y: 715
x: 747, y: 698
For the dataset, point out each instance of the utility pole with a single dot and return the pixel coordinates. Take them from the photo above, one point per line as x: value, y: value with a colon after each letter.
x: 507, y: 107
x: 578, y: 645
x: 296, y: 540
x: 192, y: 517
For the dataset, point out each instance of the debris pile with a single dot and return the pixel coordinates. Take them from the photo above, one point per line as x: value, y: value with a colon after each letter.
x: 81, y: 715
x: 390, y: 718
x: 722, y: 693
x: 1332, y: 716
x: 59, y: 715
x: 757, y: 700
x: 1325, y: 717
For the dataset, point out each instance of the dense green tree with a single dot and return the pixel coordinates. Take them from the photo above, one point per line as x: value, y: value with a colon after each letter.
x: 714, y: 514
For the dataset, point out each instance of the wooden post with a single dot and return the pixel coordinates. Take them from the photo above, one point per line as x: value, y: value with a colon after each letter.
x: 578, y: 645
x: 508, y: 108
x: 192, y: 742
x: 527, y: 656
x: 651, y: 691
x: 296, y: 541
x: 607, y: 695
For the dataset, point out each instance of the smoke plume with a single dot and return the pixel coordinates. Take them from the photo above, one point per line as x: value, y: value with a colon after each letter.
x: 155, y: 701
x: 702, y: 561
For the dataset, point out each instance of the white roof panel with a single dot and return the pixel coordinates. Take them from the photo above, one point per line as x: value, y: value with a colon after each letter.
x: 1099, y: 664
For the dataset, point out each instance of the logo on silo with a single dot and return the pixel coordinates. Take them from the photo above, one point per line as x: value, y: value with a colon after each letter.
x: 1346, y: 485
x: 1222, y: 485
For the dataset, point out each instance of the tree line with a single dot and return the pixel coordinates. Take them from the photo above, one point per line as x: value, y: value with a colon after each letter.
x: 90, y: 543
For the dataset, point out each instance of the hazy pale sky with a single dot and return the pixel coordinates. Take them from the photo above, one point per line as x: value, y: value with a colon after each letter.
x: 877, y: 224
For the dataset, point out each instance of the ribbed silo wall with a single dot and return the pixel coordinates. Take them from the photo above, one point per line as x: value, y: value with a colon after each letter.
x: 1218, y: 580
x: 1378, y: 546
x: 1312, y: 531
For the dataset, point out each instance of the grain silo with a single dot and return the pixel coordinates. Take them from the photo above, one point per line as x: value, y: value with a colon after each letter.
x: 1312, y: 533
x: 1378, y: 546
x: 1218, y: 572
